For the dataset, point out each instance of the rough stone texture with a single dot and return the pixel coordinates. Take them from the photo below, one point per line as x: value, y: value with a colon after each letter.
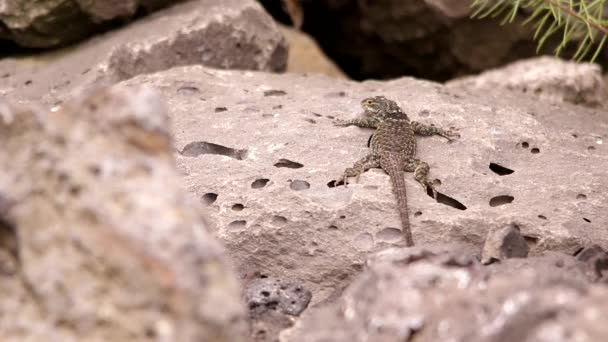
x: 424, y: 294
x: 273, y: 305
x: 503, y: 243
x: 97, y: 240
x: 431, y: 39
x: 49, y: 23
x: 548, y: 78
x: 261, y: 152
x: 235, y: 34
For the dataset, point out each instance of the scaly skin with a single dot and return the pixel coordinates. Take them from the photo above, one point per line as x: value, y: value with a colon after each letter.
x: 393, y: 148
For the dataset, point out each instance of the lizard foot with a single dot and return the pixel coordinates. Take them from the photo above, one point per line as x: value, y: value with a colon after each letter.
x: 451, y: 135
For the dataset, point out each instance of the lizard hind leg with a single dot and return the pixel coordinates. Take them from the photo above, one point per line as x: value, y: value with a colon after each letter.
x: 360, y: 166
x: 421, y: 172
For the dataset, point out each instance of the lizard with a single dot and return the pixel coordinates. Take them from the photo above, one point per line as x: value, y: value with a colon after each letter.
x: 393, y: 148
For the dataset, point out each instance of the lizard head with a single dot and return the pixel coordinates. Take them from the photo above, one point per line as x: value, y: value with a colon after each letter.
x: 382, y: 107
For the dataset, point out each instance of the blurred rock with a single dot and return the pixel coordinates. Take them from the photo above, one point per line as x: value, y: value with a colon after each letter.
x: 49, y: 23
x: 547, y: 78
x: 422, y: 295
x: 105, y: 243
x: 226, y: 34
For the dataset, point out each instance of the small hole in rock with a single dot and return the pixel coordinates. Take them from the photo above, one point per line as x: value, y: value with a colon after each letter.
x: 194, y: 149
x: 542, y: 217
x: 330, y: 117
x: 535, y: 150
x: 277, y: 107
x: 336, y: 94
x: 436, y: 182
x: 578, y: 251
x: 75, y: 190
x: 333, y: 227
x: 525, y: 144
x: 28, y: 82
x: 317, y: 115
x: 265, y: 293
x: 238, y: 224
x: 209, y: 198
x: 447, y: 200
x: 278, y: 220
x: 288, y: 164
x: 418, y: 213
x: 299, y: 185
x: 581, y: 196
x: 574, y: 135
x: 95, y: 170
x: 310, y: 120
x: 500, y: 170
x: 238, y: 207
x: 220, y: 109
x: 390, y: 235
x: 587, y: 220
x: 187, y: 90
x: 590, y: 148
x: 332, y: 184
x: 267, y: 115
x: 531, y: 240
x: 274, y: 92
x: 260, y: 183
x: 342, y: 217
x: 501, y: 200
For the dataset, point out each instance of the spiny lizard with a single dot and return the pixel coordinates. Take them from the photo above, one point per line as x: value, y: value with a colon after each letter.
x: 393, y: 148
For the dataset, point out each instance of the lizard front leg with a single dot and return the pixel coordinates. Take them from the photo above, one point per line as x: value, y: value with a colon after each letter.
x: 427, y: 130
x: 360, y: 122
x: 362, y: 165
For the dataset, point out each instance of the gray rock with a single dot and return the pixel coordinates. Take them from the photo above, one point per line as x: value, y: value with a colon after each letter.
x: 275, y: 294
x: 518, y: 161
x: 548, y: 78
x: 432, y: 39
x: 273, y: 305
x: 234, y: 34
x: 49, y: 23
x: 98, y: 241
x: 503, y: 243
x: 433, y: 299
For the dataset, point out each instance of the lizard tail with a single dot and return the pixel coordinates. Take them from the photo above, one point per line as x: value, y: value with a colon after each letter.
x: 399, y: 190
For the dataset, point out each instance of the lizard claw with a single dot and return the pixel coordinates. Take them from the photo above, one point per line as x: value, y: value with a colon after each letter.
x: 451, y: 135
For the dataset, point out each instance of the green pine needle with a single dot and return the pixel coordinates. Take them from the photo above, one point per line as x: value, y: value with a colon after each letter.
x: 582, y: 21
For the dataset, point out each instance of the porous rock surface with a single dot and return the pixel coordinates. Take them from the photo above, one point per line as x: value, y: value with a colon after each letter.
x: 48, y: 23
x: 98, y: 241
x: 548, y: 78
x: 261, y: 152
x: 442, y: 293
x: 235, y: 34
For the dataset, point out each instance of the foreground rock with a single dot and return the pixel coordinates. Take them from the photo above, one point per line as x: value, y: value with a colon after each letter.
x: 97, y: 240
x: 261, y: 152
x: 548, y: 78
x: 235, y: 34
x: 442, y: 294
